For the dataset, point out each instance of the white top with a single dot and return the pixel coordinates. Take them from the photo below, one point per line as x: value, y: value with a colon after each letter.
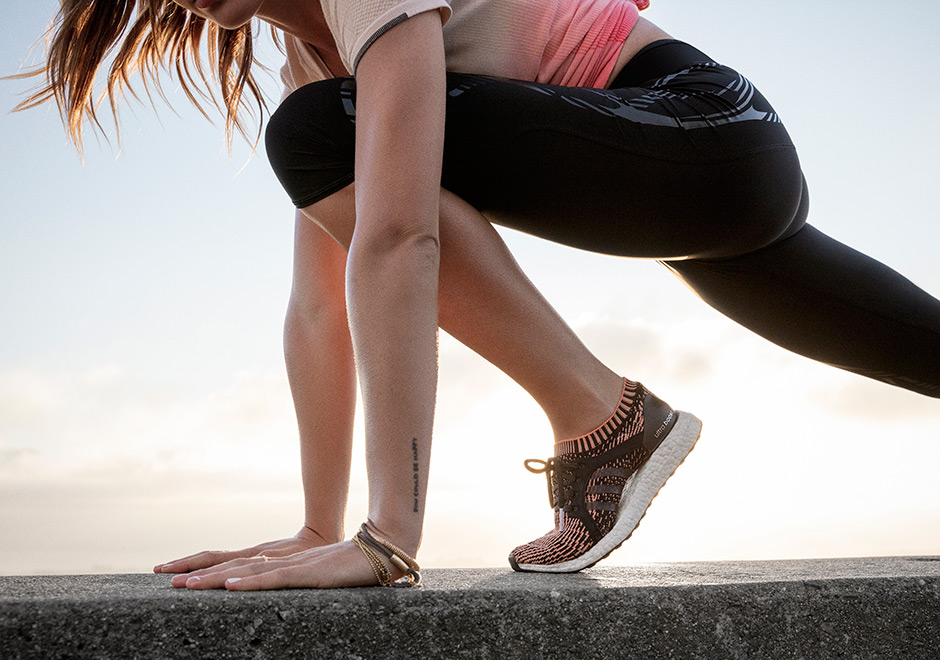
x: 562, y: 42
x: 356, y: 24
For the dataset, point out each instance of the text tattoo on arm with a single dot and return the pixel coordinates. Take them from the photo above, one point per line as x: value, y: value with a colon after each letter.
x: 414, y: 452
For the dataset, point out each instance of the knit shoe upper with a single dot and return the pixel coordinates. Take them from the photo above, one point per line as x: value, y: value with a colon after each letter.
x: 587, y: 477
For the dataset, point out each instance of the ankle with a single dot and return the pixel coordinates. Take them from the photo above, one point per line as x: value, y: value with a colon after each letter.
x: 589, y: 408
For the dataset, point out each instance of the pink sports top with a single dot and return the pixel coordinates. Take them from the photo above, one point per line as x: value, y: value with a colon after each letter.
x: 561, y: 42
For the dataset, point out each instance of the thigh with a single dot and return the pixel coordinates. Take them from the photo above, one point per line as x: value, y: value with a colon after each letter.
x: 637, y: 171
x: 310, y: 140
x: 650, y: 171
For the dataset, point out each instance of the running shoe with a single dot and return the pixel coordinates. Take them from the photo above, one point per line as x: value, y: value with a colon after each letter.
x: 601, y: 484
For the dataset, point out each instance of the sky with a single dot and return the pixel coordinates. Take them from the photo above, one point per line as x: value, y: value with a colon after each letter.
x: 144, y: 407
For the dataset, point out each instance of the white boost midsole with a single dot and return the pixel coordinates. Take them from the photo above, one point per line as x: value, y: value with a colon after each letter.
x: 637, y: 494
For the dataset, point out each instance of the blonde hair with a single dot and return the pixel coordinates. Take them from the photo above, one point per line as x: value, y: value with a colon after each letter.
x: 145, y: 34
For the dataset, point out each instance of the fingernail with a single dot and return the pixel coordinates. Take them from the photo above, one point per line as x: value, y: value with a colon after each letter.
x: 233, y: 580
x: 192, y: 579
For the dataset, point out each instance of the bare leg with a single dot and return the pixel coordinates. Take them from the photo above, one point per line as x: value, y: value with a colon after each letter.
x: 488, y: 303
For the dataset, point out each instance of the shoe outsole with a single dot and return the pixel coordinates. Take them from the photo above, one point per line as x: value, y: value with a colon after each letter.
x: 638, y: 493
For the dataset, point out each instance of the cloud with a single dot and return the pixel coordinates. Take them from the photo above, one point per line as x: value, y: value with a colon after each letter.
x: 640, y: 347
x: 101, y: 470
x: 871, y: 400
x: 106, y: 470
x: 101, y: 420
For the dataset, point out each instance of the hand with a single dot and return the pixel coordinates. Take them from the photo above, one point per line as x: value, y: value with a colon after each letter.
x: 305, y: 539
x: 326, y: 567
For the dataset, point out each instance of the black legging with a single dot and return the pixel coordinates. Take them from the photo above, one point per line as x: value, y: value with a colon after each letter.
x: 683, y: 161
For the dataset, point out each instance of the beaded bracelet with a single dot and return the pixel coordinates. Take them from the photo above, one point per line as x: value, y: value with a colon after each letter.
x: 372, y: 545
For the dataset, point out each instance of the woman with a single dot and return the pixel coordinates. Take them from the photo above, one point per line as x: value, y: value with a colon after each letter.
x: 716, y: 192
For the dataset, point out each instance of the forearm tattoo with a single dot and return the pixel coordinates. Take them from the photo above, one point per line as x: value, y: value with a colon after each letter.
x: 414, y: 453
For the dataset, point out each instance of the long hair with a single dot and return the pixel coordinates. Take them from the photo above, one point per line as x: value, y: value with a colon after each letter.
x: 143, y: 35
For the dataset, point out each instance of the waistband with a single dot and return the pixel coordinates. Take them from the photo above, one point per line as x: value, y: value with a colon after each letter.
x: 658, y: 59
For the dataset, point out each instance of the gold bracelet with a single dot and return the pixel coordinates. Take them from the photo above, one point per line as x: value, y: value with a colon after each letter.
x: 370, y: 542
x: 382, y: 574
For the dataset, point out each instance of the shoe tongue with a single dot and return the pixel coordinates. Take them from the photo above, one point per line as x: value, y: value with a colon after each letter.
x: 566, y: 449
x: 570, y: 452
x: 578, y: 447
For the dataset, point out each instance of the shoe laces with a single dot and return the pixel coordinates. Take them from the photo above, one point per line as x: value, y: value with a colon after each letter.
x: 561, y: 475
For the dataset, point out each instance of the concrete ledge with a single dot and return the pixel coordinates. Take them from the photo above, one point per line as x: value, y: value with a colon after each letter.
x: 856, y: 608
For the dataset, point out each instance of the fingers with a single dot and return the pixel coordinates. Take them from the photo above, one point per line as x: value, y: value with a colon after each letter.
x: 344, y: 567
x: 214, y: 577
x: 279, y: 578
x: 217, y: 569
x: 201, y: 560
x: 338, y: 565
x: 217, y: 577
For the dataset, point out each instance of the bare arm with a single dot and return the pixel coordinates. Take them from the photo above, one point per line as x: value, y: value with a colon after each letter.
x: 322, y: 374
x: 318, y: 353
x: 392, y: 269
x: 392, y: 292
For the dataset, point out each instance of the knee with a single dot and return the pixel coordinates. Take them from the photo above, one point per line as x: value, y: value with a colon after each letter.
x: 310, y: 140
x: 335, y: 214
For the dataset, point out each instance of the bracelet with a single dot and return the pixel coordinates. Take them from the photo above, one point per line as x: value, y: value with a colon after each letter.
x: 382, y: 573
x: 372, y: 545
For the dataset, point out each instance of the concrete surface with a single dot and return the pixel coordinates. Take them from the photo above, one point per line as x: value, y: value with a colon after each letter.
x: 845, y: 608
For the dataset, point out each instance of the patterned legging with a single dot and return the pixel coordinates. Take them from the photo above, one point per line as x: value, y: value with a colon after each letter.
x: 682, y: 160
